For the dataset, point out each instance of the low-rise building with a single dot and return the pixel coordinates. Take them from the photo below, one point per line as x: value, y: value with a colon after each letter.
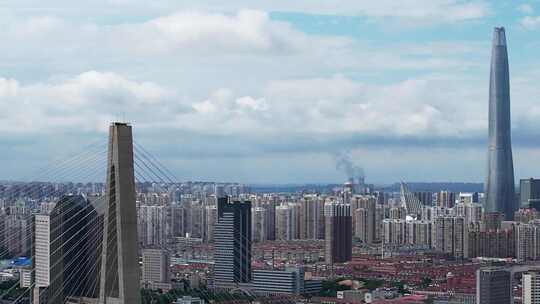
x: 288, y: 281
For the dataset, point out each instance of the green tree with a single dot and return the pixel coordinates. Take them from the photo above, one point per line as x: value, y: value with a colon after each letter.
x: 330, y: 288
x: 425, y: 282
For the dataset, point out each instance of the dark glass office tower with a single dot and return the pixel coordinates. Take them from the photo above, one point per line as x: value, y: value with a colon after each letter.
x: 493, y: 286
x: 338, y: 232
x: 65, y: 255
x: 232, y: 239
x: 499, y: 187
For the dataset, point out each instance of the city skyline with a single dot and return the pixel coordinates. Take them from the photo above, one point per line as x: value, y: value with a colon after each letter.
x: 401, y: 87
x: 307, y: 151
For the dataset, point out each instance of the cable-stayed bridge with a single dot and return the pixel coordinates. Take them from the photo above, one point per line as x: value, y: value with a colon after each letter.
x: 84, y: 248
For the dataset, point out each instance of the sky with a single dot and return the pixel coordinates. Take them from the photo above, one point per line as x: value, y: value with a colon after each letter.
x: 268, y: 91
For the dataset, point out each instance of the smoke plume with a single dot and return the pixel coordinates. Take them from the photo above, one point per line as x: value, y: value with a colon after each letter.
x: 344, y: 163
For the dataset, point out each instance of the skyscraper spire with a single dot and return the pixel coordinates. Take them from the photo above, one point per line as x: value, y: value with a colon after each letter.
x: 499, y: 187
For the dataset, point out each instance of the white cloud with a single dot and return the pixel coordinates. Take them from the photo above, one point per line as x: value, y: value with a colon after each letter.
x: 530, y: 22
x: 247, y: 30
x: 218, y: 101
x: 88, y: 101
x: 337, y: 105
x: 252, y: 104
x: 414, y: 107
x: 201, y: 50
x: 8, y: 87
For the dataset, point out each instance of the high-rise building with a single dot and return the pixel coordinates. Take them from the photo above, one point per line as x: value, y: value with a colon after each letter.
x: 119, y: 282
x: 41, y: 257
x: 394, y: 231
x: 449, y: 233
x: 397, y: 213
x: 197, y: 220
x: 287, y: 222
x: 364, y: 218
x: 419, y: 233
x: 155, y: 272
x: 338, y: 240
x: 311, y: 217
x: 210, y: 223
x: 531, y: 288
x: 529, y: 193
x: 472, y: 212
x: 446, y: 199
x: 379, y: 217
x: 499, y: 186
x: 425, y: 197
x: 177, y: 220
x: 16, y: 234
x: 270, y: 207
x: 258, y: 220
x: 65, y: 257
x: 232, y: 240
x: 152, y: 225
x: 528, y: 241
x: 493, y: 286
x: 481, y: 242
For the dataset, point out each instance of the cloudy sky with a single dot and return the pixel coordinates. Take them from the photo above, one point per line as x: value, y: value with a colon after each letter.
x: 268, y: 91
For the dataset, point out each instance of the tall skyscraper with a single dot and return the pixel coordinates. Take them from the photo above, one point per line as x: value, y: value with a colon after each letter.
x: 120, y: 260
x: 338, y: 240
x: 493, y: 286
x: 232, y: 239
x: 499, y: 186
x: 65, y: 257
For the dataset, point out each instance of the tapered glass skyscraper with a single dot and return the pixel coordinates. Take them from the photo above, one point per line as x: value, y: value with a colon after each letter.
x: 499, y: 187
